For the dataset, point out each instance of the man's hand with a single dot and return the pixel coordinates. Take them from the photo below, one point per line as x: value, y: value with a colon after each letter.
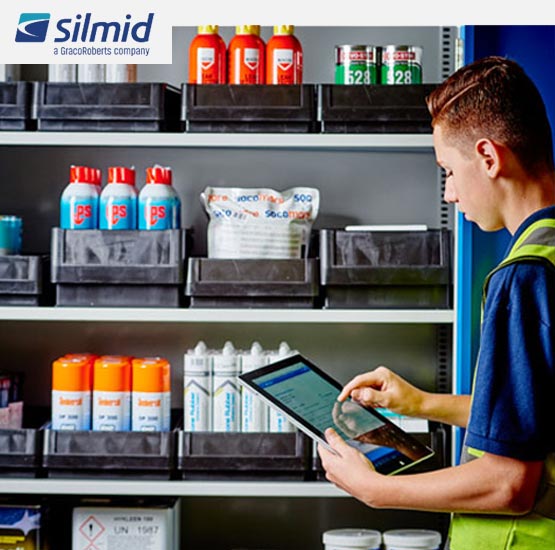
x: 383, y: 388
x: 349, y: 469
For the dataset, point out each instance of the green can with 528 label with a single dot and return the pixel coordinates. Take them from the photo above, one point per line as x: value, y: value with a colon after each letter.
x: 401, y: 65
x: 356, y: 64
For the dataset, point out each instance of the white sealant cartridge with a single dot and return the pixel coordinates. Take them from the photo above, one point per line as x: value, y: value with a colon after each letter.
x: 277, y: 421
x: 254, y: 412
x: 197, y: 387
x: 226, y: 395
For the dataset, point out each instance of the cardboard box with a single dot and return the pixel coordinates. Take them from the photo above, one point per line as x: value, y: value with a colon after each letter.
x: 20, y: 527
x: 116, y: 528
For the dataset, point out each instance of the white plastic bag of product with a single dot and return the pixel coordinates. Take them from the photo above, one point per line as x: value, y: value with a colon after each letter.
x: 259, y: 223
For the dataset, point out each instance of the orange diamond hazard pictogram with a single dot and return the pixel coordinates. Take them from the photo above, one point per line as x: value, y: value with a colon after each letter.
x: 91, y: 529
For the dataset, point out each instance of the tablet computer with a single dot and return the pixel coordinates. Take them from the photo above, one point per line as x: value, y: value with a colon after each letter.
x: 307, y: 396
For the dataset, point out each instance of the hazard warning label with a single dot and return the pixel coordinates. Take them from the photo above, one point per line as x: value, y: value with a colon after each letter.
x: 91, y: 529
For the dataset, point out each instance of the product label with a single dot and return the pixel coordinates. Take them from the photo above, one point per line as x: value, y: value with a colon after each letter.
x: 279, y: 423
x: 147, y: 411
x: 118, y: 213
x: 157, y: 214
x: 122, y: 529
x: 259, y: 223
x: 111, y: 411
x: 226, y: 402
x: 284, y: 69
x: 79, y: 213
x: 253, y: 413
x: 197, y: 402
x: 251, y: 58
x: 206, y: 57
x: 71, y: 410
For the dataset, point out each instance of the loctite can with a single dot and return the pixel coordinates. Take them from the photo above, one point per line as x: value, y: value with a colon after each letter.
x: 112, y: 393
x: 79, y: 201
x: 247, y: 56
x: 401, y: 65
x: 71, y: 393
x: 356, y: 64
x: 118, y: 200
x: 207, y: 57
x: 159, y: 204
x: 284, y: 57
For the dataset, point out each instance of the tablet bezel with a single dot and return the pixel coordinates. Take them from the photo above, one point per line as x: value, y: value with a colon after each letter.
x: 247, y: 380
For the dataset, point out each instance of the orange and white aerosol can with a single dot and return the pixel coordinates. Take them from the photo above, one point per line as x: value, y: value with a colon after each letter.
x: 246, y: 56
x: 207, y: 57
x: 71, y: 393
x: 150, y: 402
x: 284, y: 57
x: 112, y: 393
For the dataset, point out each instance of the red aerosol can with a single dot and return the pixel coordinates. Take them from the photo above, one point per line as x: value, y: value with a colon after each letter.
x: 246, y: 56
x: 207, y: 57
x: 284, y: 57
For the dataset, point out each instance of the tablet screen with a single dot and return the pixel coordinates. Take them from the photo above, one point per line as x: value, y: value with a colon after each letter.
x: 309, y: 397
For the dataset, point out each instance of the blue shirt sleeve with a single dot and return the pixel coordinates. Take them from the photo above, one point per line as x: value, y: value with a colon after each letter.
x: 514, y: 386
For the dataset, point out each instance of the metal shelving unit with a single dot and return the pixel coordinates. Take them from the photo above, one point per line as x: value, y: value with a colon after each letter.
x: 159, y: 315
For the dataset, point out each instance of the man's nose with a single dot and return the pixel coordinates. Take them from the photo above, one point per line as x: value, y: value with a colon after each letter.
x: 449, y: 194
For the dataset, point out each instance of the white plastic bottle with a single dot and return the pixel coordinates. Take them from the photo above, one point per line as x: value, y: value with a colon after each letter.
x: 62, y: 72
x: 91, y: 72
x: 408, y: 539
x: 197, y: 387
x: 226, y: 396
x: 352, y: 539
x: 118, y: 72
x: 277, y: 422
x: 254, y: 412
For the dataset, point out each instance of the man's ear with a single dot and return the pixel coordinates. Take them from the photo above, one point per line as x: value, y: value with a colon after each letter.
x: 491, y: 156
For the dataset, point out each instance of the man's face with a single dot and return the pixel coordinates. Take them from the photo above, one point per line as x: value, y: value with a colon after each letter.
x: 467, y: 184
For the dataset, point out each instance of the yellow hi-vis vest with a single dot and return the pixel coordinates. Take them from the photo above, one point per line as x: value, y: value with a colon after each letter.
x: 535, y: 530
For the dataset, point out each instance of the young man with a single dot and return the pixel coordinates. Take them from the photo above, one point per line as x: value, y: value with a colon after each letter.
x: 493, y: 139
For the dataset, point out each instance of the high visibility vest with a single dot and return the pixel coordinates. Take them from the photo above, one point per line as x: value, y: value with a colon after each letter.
x: 535, y: 530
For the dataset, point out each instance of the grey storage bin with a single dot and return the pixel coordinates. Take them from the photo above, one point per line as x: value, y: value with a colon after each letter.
x: 15, y: 106
x: 252, y: 283
x: 374, y: 108
x: 20, y: 452
x: 386, y: 269
x: 249, y: 109
x: 21, y: 280
x: 118, y: 268
x: 245, y: 456
x: 148, y: 455
x: 106, y: 107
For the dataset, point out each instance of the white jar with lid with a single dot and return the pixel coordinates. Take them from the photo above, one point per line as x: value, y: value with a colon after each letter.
x: 411, y: 539
x: 352, y: 539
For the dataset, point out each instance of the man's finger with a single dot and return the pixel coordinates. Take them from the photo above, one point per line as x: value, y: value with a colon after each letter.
x: 372, y: 378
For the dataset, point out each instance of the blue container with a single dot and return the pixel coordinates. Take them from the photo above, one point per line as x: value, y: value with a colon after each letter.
x: 10, y: 235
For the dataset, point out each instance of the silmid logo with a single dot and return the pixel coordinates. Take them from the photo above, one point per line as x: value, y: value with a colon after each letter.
x: 32, y: 27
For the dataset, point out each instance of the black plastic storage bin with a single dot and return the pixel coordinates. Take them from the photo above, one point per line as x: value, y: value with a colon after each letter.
x: 386, y: 269
x: 118, y: 268
x: 20, y: 452
x: 244, y: 456
x: 15, y: 106
x: 376, y: 108
x: 145, y: 455
x: 256, y: 108
x: 21, y: 280
x: 252, y: 283
x: 103, y: 107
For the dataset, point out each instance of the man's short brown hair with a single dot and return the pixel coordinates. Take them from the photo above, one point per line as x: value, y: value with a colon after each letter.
x: 494, y: 98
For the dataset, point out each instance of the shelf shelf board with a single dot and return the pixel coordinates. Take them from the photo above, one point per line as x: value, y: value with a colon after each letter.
x: 382, y: 142
x: 177, y: 315
x: 285, y: 489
